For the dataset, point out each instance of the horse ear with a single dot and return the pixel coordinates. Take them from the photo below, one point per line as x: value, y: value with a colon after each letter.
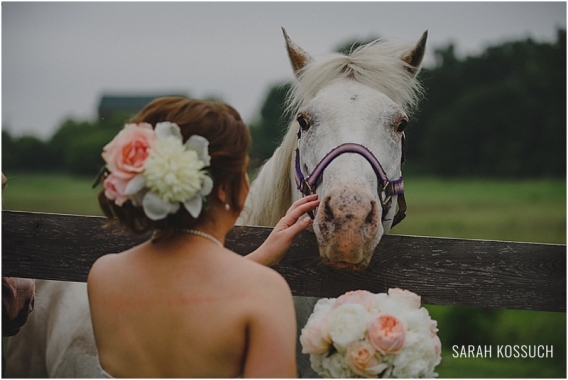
x: 415, y: 56
x: 298, y: 56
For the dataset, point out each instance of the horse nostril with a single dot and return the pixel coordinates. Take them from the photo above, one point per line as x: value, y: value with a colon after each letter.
x: 327, y: 207
x: 372, y: 215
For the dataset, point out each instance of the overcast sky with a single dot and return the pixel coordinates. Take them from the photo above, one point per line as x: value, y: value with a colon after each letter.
x: 58, y: 59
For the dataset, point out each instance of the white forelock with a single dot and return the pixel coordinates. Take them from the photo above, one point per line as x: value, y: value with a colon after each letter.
x: 378, y: 65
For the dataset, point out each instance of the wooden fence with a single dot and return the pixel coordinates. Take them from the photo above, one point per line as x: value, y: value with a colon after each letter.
x: 442, y: 271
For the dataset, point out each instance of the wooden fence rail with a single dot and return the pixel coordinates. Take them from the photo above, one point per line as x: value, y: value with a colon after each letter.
x: 443, y: 271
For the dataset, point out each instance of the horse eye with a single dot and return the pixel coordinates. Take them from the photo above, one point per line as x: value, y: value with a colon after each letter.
x: 304, y: 123
x: 401, y: 125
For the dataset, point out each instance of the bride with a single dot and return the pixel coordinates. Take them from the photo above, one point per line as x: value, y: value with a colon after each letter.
x: 180, y: 304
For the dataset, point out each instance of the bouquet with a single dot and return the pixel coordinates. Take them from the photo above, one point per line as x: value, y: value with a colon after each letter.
x: 361, y: 334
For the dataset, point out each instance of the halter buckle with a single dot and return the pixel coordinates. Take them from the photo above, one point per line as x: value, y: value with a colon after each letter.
x: 305, y: 187
x: 306, y: 190
x: 386, y: 199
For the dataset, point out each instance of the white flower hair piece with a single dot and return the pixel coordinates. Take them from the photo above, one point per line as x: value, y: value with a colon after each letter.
x: 170, y: 172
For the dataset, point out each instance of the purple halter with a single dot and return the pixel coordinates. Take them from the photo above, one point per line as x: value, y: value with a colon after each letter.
x: 387, y: 188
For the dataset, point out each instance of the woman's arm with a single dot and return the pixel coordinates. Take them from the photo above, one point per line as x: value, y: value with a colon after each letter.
x: 281, y: 237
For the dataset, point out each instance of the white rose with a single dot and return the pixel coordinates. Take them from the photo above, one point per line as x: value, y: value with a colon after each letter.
x: 323, y: 305
x: 334, y: 366
x: 421, y: 353
x: 417, y: 320
x: 405, y: 297
x: 379, y: 303
x: 348, y: 323
x: 315, y: 338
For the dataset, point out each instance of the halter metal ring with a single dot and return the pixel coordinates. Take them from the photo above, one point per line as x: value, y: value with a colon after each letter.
x: 306, y: 188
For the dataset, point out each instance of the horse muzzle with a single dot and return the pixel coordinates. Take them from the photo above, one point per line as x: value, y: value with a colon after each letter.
x: 348, y: 228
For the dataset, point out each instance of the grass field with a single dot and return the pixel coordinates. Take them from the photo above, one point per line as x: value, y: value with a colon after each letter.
x: 531, y: 211
x: 50, y: 193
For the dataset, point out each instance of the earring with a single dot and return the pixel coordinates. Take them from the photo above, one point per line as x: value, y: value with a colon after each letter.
x: 227, y: 207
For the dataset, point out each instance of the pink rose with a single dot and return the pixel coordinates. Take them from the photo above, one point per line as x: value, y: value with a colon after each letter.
x: 315, y: 338
x: 361, y: 297
x: 126, y: 153
x: 114, y: 189
x: 387, y: 333
x: 360, y: 358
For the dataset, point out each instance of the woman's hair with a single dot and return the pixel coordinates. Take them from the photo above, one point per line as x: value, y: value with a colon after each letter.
x: 229, y: 144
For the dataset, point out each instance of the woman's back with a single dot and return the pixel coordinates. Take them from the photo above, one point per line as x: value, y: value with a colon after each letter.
x: 181, y: 305
x: 185, y: 307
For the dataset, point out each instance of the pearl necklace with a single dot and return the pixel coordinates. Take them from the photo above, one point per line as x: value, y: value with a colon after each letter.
x: 203, y: 234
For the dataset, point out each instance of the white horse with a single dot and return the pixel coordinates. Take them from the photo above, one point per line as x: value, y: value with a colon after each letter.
x: 348, y: 131
x: 355, y: 104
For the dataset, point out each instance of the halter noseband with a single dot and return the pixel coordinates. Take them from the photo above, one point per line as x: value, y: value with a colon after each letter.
x: 387, y: 188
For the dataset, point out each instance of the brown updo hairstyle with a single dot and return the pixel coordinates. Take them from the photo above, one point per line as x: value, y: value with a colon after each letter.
x: 229, y: 144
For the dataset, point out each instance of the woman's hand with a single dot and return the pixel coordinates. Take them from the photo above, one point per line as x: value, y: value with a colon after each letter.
x: 281, y: 237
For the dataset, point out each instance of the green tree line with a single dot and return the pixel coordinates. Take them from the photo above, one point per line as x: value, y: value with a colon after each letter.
x: 498, y: 114
x: 74, y: 148
x: 502, y: 113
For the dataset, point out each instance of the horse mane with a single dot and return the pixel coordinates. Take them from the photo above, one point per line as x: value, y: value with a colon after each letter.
x: 378, y: 65
x: 271, y: 192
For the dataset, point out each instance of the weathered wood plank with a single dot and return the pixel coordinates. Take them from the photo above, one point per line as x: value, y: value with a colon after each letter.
x: 443, y: 271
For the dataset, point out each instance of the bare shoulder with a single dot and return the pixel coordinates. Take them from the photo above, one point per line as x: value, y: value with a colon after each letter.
x: 261, y: 277
x: 100, y: 271
x: 103, y: 264
x: 113, y: 263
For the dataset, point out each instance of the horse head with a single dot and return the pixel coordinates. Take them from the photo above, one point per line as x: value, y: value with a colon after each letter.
x: 345, y: 143
x: 350, y: 116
